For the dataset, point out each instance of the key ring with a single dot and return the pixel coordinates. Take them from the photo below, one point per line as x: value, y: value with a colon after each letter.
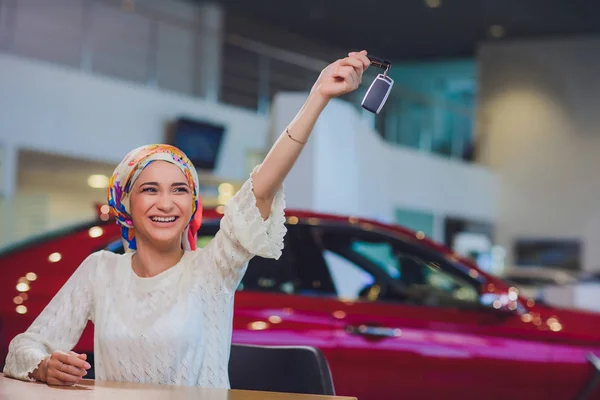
x: 380, y: 63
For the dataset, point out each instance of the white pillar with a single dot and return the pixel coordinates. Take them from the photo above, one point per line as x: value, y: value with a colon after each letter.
x: 8, y: 170
x: 8, y: 186
x: 209, y: 50
x: 369, y: 118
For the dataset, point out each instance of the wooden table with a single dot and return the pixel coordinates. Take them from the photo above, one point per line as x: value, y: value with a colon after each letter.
x: 12, y: 389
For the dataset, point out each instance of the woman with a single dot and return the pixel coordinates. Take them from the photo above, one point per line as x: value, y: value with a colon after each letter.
x: 162, y: 312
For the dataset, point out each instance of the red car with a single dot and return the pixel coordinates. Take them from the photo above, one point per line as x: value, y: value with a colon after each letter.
x: 396, y: 315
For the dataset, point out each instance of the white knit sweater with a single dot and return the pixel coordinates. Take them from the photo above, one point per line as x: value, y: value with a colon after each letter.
x: 173, y: 328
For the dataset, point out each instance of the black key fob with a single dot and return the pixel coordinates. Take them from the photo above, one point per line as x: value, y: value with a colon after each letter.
x: 380, y: 89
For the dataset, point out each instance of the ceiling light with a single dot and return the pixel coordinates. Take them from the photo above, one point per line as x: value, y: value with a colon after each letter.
x: 98, y: 181
x: 21, y: 309
x: 497, y: 31
x: 31, y: 276
x: 433, y: 3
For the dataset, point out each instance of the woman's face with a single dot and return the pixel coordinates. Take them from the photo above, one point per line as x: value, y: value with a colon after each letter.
x: 161, y: 204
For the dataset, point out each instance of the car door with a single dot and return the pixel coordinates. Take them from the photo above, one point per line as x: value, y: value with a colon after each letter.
x: 409, y: 324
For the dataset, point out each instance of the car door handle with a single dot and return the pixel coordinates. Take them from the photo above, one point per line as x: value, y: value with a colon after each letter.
x: 371, y: 330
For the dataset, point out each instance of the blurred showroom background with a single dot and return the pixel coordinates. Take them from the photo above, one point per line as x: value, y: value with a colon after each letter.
x: 488, y: 143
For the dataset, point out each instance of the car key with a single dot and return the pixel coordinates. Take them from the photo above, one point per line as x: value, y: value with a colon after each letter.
x: 380, y: 89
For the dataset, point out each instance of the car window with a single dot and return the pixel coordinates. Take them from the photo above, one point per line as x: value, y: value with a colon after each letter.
x: 367, y: 266
x: 300, y: 270
x: 348, y: 277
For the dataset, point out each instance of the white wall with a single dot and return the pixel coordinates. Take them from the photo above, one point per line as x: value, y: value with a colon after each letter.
x: 53, y: 109
x: 347, y: 168
x: 154, y: 42
x: 538, y: 126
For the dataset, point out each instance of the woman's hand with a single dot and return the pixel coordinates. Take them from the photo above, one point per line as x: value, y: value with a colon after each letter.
x: 342, y: 76
x: 62, y: 368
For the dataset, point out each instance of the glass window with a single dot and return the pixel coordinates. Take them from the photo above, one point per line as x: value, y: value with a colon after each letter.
x: 349, y: 278
x: 372, y: 267
x: 380, y: 253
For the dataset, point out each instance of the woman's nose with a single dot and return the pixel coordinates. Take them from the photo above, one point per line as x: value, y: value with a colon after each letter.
x: 164, y: 202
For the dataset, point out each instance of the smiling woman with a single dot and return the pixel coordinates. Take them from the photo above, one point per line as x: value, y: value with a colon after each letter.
x: 163, y: 310
x: 161, y: 206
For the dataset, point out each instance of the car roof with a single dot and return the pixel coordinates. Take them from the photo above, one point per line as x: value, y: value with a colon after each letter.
x: 293, y: 216
x: 370, y: 224
x: 314, y: 218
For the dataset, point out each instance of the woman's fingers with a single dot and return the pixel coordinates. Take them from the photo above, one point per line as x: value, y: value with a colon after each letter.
x: 57, y: 365
x: 81, y: 356
x: 362, y: 56
x: 57, y: 377
x: 73, y: 359
x: 72, y: 370
x: 348, y: 74
x: 66, y: 368
x: 355, y: 62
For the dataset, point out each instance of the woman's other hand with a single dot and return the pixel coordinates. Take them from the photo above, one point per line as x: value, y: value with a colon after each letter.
x: 62, y: 368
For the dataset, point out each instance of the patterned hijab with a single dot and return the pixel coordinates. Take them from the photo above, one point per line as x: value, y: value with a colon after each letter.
x: 124, y: 178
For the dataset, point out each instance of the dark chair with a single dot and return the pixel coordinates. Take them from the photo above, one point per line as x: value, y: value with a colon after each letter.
x: 592, y: 386
x: 288, y: 369
x: 91, y: 373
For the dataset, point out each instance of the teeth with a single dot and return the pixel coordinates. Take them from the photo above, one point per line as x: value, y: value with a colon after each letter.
x: 163, y: 219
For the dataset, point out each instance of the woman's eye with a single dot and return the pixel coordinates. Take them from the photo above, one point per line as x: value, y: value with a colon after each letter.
x: 181, y: 190
x: 149, y: 189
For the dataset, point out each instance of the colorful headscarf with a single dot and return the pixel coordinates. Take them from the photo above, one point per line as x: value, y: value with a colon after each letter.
x: 126, y: 174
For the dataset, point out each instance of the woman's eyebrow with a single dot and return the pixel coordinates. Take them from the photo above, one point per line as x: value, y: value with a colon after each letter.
x: 180, y: 184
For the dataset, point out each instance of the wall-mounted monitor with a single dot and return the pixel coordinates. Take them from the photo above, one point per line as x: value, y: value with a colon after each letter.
x: 555, y: 253
x: 199, y: 140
